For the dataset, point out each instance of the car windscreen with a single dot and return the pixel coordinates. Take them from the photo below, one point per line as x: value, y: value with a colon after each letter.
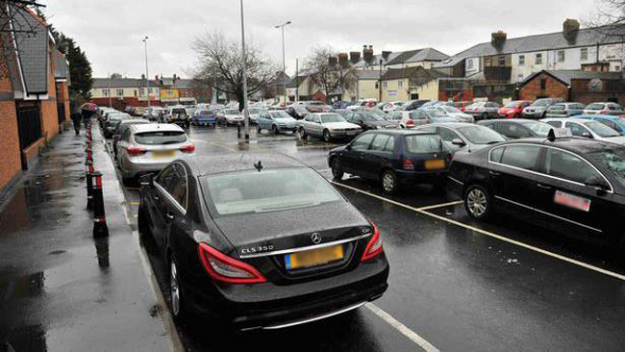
x: 206, y: 113
x: 232, y: 112
x: 369, y: 116
x: 451, y: 110
x: 542, y: 103
x: 254, y: 111
x: 612, y: 159
x: 594, y: 107
x: 481, y: 135
x: 425, y: 143
x: 267, y: 191
x: 601, y: 129
x: 512, y: 105
x: 280, y: 115
x: 331, y: 118
x: 541, y: 129
x: 160, y: 137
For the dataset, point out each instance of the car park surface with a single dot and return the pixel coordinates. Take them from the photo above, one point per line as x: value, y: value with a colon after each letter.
x: 455, y: 283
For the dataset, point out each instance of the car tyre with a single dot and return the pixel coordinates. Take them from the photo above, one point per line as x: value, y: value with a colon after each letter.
x: 178, y: 309
x: 326, y: 136
x: 337, y: 170
x: 478, y: 202
x: 274, y: 129
x: 302, y: 133
x: 389, y: 182
x: 258, y: 129
x: 484, y: 116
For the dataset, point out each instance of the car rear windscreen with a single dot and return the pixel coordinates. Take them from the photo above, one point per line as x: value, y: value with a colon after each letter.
x: 428, y: 143
x: 160, y: 137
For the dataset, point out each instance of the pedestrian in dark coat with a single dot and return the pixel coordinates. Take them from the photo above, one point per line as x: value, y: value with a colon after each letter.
x: 76, y: 119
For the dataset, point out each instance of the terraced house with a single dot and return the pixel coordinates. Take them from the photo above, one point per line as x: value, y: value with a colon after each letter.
x: 34, y: 98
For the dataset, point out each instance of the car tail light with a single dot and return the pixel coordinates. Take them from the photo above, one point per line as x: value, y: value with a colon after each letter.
x: 135, y: 151
x: 410, y: 123
x: 375, y: 245
x: 189, y: 148
x: 226, y: 269
x: 408, y: 165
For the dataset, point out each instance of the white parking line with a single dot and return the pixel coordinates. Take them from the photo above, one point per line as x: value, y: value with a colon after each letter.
x: 441, y: 205
x: 403, y: 329
x: 490, y: 234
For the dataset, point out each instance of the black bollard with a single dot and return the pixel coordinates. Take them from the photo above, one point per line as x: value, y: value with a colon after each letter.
x: 89, y: 176
x: 238, y: 130
x: 100, y: 229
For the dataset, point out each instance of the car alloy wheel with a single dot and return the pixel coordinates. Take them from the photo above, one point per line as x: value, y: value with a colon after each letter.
x: 174, y: 289
x: 389, y: 182
x: 477, y: 202
x: 302, y: 132
x: 326, y: 136
x: 337, y: 171
x: 274, y: 129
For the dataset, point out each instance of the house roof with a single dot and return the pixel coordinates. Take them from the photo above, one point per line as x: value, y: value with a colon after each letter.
x: 401, y: 57
x: 293, y: 82
x: 369, y: 74
x: 61, y: 66
x: 31, y: 39
x: 422, y: 74
x: 565, y: 76
x: 540, y: 42
x: 121, y: 83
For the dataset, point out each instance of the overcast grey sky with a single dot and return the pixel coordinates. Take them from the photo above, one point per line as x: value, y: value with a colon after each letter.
x: 111, y: 31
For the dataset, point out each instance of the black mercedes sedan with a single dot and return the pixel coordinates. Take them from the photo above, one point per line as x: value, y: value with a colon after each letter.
x: 394, y: 158
x: 572, y: 185
x: 260, y: 241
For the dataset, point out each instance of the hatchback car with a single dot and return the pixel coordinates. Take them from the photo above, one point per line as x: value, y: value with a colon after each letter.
x: 518, y: 128
x: 329, y: 126
x: 393, y: 158
x: 449, y: 112
x: 588, y: 129
x: 370, y: 120
x: 145, y: 149
x: 538, y: 109
x: 513, y: 109
x: 564, y: 110
x: 276, y: 121
x: 204, y: 117
x: 604, y: 109
x: 575, y: 186
x: 111, y: 123
x: 230, y: 117
x: 460, y: 136
x: 483, y: 110
x: 121, y: 127
x: 260, y: 241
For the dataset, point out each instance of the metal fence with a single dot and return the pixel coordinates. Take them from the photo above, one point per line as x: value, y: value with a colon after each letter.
x: 29, y: 123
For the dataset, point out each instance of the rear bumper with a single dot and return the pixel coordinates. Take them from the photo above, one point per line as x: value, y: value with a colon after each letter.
x: 410, y: 177
x: 320, y: 299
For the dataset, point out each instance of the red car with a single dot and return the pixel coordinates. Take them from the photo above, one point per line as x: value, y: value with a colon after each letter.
x: 513, y: 109
x: 461, y: 105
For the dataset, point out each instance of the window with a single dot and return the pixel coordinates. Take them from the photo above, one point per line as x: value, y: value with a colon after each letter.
x: 513, y: 130
x: 379, y: 143
x: 539, y: 59
x: 377, y: 85
x: 617, y: 68
x: 400, y: 83
x: 390, y: 146
x: 577, y: 129
x: 135, y: 93
x: 469, y: 64
x: 521, y: 156
x: 610, y: 124
x: 106, y: 92
x: 521, y: 60
x: 561, y: 56
x: 502, y: 61
x: 447, y: 135
x: 584, y: 54
x: 166, y: 177
x: 179, y: 188
x: 424, y: 144
x: 385, y: 84
x: 568, y: 166
x: 496, y: 154
x: 120, y: 92
x: 543, y: 83
x: 316, y: 119
x: 556, y: 124
x: 362, y: 142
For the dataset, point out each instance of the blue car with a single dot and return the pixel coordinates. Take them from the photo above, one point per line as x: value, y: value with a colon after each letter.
x: 275, y: 121
x: 617, y: 123
x: 204, y: 117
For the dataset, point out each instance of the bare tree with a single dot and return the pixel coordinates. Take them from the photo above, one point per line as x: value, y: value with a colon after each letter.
x: 220, y: 66
x: 329, y: 72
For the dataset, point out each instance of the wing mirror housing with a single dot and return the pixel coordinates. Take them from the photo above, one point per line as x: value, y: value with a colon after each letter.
x: 599, y: 184
x: 586, y: 135
x: 458, y: 142
x: 147, y: 180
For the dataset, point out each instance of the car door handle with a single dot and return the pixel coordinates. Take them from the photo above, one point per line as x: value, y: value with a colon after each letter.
x: 544, y: 187
x: 156, y: 197
x: 170, y: 216
x: 494, y: 173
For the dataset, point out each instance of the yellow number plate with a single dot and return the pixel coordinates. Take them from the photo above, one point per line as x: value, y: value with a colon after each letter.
x: 163, y: 153
x: 434, y: 164
x: 314, y: 257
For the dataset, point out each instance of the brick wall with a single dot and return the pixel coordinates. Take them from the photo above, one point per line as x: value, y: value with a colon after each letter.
x: 9, y: 135
x: 49, y: 113
x: 553, y: 89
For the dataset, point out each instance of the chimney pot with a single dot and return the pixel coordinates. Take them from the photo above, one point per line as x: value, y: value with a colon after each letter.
x: 498, y: 39
x: 385, y: 54
x: 570, y: 28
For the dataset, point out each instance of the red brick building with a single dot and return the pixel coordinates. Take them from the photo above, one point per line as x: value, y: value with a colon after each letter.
x: 29, y: 102
x: 574, y: 85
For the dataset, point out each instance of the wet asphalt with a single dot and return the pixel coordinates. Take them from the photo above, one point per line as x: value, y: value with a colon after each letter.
x: 456, y: 287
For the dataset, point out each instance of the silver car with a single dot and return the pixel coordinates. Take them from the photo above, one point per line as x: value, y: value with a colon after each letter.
x: 149, y: 148
x: 483, y: 110
x: 588, y: 129
x: 538, y: 109
x: 230, y: 116
x: 450, y: 111
x: 328, y: 126
x: 565, y: 110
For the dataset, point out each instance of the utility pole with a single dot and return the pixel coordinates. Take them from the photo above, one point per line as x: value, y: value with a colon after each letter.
x: 281, y: 26
x: 296, y: 79
x: 110, y: 92
x: 245, y: 112
x: 147, y: 75
x: 380, y: 84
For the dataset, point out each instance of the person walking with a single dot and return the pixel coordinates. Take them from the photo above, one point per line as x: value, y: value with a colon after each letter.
x: 76, y: 119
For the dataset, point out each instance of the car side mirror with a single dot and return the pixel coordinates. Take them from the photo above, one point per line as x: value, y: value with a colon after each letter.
x: 458, y: 142
x: 348, y: 147
x: 147, y: 180
x: 586, y: 135
x: 599, y: 184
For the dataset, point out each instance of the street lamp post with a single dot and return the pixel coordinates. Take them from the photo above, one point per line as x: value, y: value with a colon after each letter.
x: 281, y: 26
x: 245, y: 112
x: 147, y: 76
x: 380, y: 80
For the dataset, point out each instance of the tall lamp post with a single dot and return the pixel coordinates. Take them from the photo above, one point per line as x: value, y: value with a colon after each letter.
x: 244, y: 54
x: 147, y: 76
x: 281, y: 26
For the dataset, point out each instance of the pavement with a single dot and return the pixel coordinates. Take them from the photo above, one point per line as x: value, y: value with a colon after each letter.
x: 61, y: 289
